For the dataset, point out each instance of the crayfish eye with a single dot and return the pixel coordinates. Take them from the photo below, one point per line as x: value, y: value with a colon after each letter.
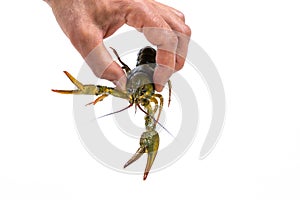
x: 143, y: 90
x: 129, y: 90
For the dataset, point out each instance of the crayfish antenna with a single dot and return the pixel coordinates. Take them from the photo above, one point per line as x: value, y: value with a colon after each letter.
x: 155, y: 121
x: 115, y: 111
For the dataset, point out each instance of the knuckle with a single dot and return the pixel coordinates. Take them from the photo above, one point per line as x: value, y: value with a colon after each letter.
x: 179, y: 63
x: 179, y: 66
x: 84, y: 39
x: 186, y: 30
x: 181, y: 15
x: 172, y: 38
x: 80, y: 35
x: 170, y: 42
x: 161, y: 37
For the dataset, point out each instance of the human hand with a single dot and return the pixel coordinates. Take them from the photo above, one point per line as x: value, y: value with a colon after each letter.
x: 87, y: 22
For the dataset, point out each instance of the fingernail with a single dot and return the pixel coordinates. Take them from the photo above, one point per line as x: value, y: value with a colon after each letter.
x: 159, y: 87
x: 121, y: 83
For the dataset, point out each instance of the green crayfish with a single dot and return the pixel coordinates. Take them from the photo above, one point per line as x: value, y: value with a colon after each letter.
x: 140, y: 92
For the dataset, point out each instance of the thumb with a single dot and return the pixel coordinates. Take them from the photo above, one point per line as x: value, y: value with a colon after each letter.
x: 103, y: 66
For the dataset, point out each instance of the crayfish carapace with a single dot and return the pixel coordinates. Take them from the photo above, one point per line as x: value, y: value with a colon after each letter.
x: 140, y: 92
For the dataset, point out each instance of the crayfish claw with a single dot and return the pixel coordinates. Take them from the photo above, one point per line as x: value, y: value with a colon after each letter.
x: 79, y: 85
x: 150, y: 160
x: 136, y: 156
x: 67, y: 91
x: 149, y: 143
x: 81, y: 89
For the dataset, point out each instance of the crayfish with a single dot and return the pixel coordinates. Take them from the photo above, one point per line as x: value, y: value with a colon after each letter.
x: 140, y: 92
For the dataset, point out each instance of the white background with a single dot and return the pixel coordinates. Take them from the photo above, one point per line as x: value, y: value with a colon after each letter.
x: 255, y: 46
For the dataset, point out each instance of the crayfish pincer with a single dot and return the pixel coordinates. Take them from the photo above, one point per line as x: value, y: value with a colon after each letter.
x: 139, y: 92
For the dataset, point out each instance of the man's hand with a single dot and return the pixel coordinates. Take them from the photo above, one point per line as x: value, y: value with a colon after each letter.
x: 88, y: 22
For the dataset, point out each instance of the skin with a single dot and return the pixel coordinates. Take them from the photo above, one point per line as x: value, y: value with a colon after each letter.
x: 87, y: 22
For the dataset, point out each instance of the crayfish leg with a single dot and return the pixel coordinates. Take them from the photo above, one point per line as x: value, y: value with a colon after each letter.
x: 98, y: 99
x: 170, y: 91
x: 125, y: 67
x: 161, y: 104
